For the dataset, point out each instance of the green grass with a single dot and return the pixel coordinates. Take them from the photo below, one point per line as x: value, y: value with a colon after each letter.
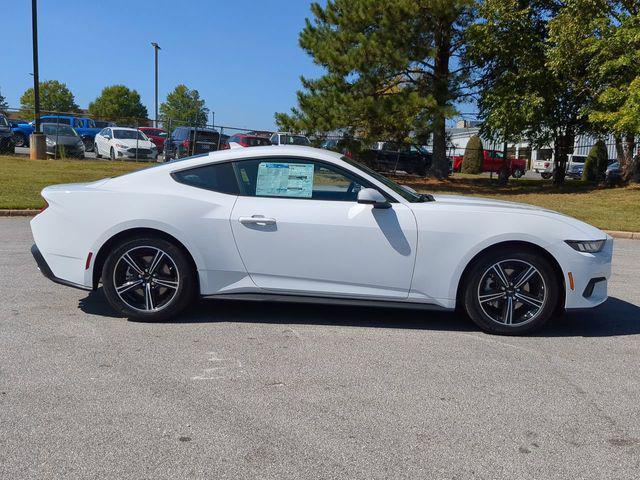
x: 607, y: 208
x: 21, y: 181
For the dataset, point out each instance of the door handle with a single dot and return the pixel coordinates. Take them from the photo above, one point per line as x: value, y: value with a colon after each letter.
x: 257, y: 220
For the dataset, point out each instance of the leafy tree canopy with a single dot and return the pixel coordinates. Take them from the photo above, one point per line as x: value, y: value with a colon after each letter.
x: 117, y: 102
x: 55, y: 96
x: 184, y: 105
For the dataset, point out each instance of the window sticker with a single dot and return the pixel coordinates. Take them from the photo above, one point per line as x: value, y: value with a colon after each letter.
x: 285, y: 180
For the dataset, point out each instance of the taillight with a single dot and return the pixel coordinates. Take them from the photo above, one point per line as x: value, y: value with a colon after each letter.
x: 224, y: 146
x: 546, y: 164
x: 186, y: 144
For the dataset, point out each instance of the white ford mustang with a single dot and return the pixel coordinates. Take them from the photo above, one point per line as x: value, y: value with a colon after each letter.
x: 288, y: 222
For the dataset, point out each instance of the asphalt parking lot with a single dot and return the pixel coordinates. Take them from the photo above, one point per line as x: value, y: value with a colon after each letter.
x: 251, y: 390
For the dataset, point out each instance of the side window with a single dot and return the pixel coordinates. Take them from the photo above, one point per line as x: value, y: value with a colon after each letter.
x: 107, y: 133
x: 103, y: 132
x: 216, y: 177
x: 297, y: 178
x: 274, y: 139
x: 77, y: 123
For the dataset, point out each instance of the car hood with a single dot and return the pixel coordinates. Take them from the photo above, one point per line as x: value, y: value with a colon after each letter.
x: 131, y: 143
x: 64, y: 139
x: 469, y: 205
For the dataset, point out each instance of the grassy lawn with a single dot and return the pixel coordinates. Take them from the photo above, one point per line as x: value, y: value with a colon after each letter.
x: 21, y: 181
x: 607, y: 208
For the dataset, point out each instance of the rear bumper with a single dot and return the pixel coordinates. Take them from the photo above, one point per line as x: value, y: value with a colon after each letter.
x: 43, y: 266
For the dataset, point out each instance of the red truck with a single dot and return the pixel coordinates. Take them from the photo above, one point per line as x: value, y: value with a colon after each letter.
x: 492, y: 161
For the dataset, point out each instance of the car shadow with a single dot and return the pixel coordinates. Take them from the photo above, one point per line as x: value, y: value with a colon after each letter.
x: 614, y: 318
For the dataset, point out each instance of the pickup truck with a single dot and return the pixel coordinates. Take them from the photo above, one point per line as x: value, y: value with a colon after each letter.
x: 386, y: 156
x: 22, y: 130
x: 492, y: 161
x: 85, y: 127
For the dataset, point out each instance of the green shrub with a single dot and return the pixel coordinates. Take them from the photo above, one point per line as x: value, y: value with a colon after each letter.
x: 595, y: 164
x: 473, y: 154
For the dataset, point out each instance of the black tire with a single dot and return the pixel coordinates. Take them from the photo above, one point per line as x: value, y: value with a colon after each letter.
x: 20, y: 140
x: 491, y: 313
x: 517, y: 173
x: 546, y: 175
x: 142, y: 282
x: 112, y: 154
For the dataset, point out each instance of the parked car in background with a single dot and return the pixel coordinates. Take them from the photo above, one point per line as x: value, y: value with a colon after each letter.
x: 22, y: 130
x: 104, y: 124
x: 123, y: 142
x: 286, y: 138
x: 387, y: 157
x: 156, y: 135
x: 85, y: 127
x: 6, y: 136
x: 62, y: 141
x: 575, y: 166
x: 245, y: 140
x: 493, y: 161
x: 613, y: 174
x: 186, y: 141
x: 544, y: 168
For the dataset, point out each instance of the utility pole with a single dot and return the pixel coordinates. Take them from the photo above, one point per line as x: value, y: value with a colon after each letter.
x: 37, y: 144
x: 36, y: 76
x: 156, y: 47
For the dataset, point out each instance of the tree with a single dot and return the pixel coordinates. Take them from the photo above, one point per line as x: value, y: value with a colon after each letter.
x: 55, y: 97
x: 3, y: 103
x: 595, y: 165
x: 523, y: 94
x: 388, y: 70
x: 118, y: 103
x: 473, y: 156
x: 184, y: 105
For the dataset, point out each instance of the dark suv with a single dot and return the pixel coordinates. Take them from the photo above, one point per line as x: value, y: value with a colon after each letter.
x: 6, y: 136
x: 187, y: 141
x: 386, y: 156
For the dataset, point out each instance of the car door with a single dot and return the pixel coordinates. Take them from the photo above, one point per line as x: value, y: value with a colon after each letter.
x: 299, y: 229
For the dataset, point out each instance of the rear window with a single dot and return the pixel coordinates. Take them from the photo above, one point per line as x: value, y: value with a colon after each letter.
x: 256, y: 141
x: 294, y: 140
x: 204, y: 136
x: 217, y: 177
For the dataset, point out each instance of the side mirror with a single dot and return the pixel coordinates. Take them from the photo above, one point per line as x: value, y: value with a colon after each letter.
x: 371, y: 196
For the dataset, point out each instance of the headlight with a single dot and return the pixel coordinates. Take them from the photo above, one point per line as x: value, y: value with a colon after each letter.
x: 80, y: 143
x: 586, y: 246
x: 50, y: 142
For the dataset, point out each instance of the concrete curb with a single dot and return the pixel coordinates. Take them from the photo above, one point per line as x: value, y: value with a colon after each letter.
x: 21, y: 213
x: 33, y: 212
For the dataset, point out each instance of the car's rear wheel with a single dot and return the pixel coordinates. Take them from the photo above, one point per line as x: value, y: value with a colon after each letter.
x: 511, y: 292
x: 148, y: 278
x: 546, y: 175
x: 517, y: 173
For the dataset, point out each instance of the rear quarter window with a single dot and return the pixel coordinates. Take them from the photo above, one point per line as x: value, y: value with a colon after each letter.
x: 215, y: 177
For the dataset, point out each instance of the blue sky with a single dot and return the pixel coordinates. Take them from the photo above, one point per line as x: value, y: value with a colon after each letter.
x: 243, y: 57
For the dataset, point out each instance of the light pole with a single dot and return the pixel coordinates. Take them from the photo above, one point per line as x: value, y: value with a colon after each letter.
x: 156, y: 47
x: 37, y: 142
x: 36, y: 76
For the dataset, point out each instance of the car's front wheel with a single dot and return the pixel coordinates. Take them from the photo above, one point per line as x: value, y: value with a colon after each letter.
x: 20, y: 140
x: 148, y: 278
x: 546, y: 175
x: 511, y: 292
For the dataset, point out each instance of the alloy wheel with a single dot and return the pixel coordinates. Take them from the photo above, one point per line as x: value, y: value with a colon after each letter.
x: 512, y: 292
x: 146, y: 278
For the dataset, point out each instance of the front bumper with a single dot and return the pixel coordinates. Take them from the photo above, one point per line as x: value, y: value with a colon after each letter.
x: 590, y: 274
x: 43, y: 266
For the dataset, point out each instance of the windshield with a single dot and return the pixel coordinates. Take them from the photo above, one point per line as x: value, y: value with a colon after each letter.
x: 295, y: 140
x: 129, y: 135
x: 407, y: 195
x: 578, y: 159
x: 59, y: 130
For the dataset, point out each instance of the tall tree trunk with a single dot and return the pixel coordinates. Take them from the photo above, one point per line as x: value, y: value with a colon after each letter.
x: 632, y: 163
x: 563, y: 145
x: 440, y: 165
